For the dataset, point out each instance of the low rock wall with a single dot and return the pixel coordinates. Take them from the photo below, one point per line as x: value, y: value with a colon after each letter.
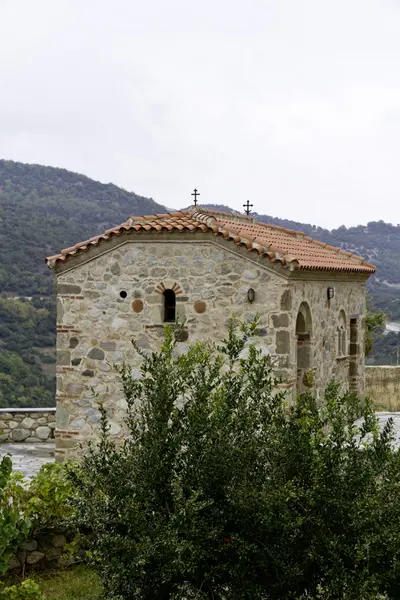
x: 382, y: 384
x: 27, y: 424
x: 46, y: 550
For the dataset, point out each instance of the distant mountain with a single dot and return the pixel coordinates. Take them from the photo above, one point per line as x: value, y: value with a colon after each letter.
x: 43, y: 209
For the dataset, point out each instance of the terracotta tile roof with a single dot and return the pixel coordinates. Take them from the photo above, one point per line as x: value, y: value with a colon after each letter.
x: 293, y: 249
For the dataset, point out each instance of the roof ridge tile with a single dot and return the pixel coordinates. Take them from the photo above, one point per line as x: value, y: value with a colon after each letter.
x: 293, y: 249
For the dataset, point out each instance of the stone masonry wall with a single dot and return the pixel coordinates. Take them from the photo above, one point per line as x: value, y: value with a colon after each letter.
x: 117, y: 296
x: 45, y: 550
x: 27, y: 424
x: 326, y: 362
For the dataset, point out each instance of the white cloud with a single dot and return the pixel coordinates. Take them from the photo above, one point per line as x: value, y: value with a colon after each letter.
x: 294, y: 105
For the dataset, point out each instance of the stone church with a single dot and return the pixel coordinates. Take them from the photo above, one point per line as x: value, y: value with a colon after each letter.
x: 199, y: 266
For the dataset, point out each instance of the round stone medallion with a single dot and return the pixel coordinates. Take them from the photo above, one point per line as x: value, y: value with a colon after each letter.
x: 137, y: 305
x: 200, y: 306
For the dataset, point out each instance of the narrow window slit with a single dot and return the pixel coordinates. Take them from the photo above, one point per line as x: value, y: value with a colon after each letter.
x: 169, y: 306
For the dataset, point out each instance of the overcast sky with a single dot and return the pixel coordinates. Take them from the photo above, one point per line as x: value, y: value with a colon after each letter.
x: 292, y: 104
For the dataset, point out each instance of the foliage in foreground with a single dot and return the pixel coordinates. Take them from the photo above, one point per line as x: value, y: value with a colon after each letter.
x: 75, y: 583
x: 224, y: 491
x: 78, y: 583
x: 44, y: 501
x: 14, y: 529
x: 40, y: 506
x: 27, y: 590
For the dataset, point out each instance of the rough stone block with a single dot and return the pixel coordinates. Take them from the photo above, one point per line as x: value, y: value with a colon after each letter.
x: 75, y: 388
x: 78, y: 424
x: 93, y: 415
x: 66, y: 443
x: 261, y: 332
x: 53, y: 553
x: 13, y: 424
x: 30, y: 545
x: 96, y: 354
x: 280, y: 320
x: 92, y: 294
x: 19, y: 435
x: 286, y: 300
x: 103, y: 366
x: 62, y: 416
x: 14, y: 563
x: 58, y: 541
x: 304, y: 357
x: 282, y: 342
x: 34, y: 557
x: 250, y: 275
x: 28, y: 423
x: 88, y: 373
x: 67, y: 288
x: 143, y: 342
x: 115, y: 429
x: 63, y: 358
x: 158, y: 272
x: 73, y: 342
x: 223, y: 268
x: 43, y: 432
x: 108, y: 346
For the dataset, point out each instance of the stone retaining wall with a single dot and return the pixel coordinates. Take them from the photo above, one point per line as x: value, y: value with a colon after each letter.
x: 27, y: 424
x: 382, y: 384
x: 46, y: 550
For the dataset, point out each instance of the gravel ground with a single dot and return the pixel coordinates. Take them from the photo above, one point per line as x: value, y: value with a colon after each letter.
x: 28, y: 458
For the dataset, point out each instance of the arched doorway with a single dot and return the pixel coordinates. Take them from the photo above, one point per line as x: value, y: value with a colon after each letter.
x: 304, y: 347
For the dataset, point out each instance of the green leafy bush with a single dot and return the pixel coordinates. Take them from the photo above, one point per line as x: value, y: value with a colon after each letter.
x: 44, y: 500
x: 14, y: 527
x: 223, y: 490
x: 27, y: 590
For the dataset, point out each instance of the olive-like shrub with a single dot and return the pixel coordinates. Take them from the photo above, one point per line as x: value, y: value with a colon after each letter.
x: 224, y: 489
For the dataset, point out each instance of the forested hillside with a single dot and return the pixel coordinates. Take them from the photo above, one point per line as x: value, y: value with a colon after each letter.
x: 43, y: 209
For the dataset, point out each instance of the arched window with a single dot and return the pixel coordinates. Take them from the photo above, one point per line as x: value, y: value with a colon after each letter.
x: 304, y: 354
x: 303, y: 322
x: 342, y: 335
x: 169, y: 306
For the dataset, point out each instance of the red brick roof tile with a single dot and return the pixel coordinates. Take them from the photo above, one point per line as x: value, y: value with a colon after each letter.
x: 293, y: 249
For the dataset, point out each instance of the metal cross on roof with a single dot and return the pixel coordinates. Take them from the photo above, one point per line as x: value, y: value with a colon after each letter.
x: 247, y: 207
x: 195, y: 194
